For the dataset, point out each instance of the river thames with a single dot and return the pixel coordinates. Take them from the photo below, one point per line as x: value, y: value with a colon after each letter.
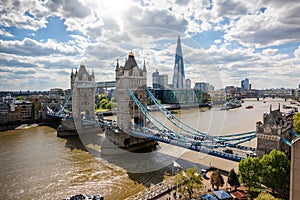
x: 36, y: 164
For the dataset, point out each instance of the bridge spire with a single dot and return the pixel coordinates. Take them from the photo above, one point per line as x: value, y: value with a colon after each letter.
x: 117, y: 67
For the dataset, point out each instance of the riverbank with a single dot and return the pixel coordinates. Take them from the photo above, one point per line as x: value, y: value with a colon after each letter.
x: 20, y: 126
x: 28, y: 125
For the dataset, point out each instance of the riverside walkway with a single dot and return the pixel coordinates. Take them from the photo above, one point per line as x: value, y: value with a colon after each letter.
x: 155, y: 191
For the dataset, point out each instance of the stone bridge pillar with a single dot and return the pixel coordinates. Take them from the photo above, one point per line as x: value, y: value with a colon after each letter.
x: 135, y: 78
x: 83, y: 96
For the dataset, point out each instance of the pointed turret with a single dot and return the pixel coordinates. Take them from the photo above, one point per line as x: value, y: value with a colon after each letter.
x: 117, y: 67
x: 130, y: 62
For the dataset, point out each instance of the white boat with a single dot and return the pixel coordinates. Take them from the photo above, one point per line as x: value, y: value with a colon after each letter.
x: 232, y: 103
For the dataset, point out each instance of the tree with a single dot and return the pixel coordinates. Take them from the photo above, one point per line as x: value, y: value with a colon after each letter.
x: 189, y: 181
x: 297, y: 123
x: 265, y: 196
x: 108, y: 105
x: 103, y: 103
x: 249, y: 171
x: 33, y: 111
x: 102, y: 96
x: 20, y: 98
x: 276, y: 170
x: 233, y: 179
x: 216, y: 179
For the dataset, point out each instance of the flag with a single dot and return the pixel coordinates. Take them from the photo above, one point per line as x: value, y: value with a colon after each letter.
x: 175, y: 164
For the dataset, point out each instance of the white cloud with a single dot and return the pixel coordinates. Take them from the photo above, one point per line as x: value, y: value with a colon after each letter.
x: 30, y: 47
x: 217, y: 41
x: 297, y: 52
x: 272, y: 27
x: 69, y: 9
x: 13, y: 14
x: 269, y: 52
x: 5, y: 33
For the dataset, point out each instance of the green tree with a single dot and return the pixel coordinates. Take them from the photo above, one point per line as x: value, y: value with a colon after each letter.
x: 102, y: 96
x: 297, y: 123
x: 20, y: 98
x: 108, y: 105
x: 103, y: 103
x: 33, y: 111
x: 189, y: 181
x: 233, y: 179
x: 276, y: 170
x: 216, y: 179
x: 265, y: 196
x: 249, y: 171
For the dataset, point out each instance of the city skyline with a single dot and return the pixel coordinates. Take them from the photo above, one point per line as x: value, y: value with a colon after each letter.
x: 223, y: 42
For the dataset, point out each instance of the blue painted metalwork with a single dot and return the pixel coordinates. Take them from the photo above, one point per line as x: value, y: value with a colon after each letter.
x: 292, y: 132
x: 285, y: 141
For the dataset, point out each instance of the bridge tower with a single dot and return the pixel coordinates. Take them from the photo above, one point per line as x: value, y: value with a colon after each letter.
x: 83, y: 95
x: 136, y: 79
x: 274, y: 132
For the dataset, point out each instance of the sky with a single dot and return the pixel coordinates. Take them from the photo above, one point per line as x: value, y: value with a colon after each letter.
x: 223, y: 41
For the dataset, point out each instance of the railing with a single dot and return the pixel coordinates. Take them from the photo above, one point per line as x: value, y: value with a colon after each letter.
x: 155, y: 191
x: 201, y: 149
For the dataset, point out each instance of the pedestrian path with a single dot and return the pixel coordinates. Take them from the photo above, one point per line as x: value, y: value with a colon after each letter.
x: 156, y: 190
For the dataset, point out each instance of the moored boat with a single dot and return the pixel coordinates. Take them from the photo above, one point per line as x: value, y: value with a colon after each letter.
x: 232, y: 103
x: 249, y: 107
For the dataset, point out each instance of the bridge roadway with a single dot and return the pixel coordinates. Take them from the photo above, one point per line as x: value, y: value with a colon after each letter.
x: 238, y: 156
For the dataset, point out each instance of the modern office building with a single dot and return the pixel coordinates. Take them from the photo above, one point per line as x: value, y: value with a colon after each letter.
x: 155, y: 79
x: 202, y: 86
x: 188, y: 83
x: 179, y: 96
x: 245, y: 85
x: 159, y: 81
x: 178, y: 76
x: 205, y: 87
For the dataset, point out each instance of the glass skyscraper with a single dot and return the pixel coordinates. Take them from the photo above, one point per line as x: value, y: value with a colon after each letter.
x: 178, y: 77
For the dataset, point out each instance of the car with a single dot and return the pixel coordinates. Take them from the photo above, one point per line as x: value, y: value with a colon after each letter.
x: 98, y: 197
x: 250, y: 154
x: 228, y: 151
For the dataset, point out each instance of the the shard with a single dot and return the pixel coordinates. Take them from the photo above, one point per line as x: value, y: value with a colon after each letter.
x: 178, y: 77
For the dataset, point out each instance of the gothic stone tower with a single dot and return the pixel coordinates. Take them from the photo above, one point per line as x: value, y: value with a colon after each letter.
x: 83, y: 95
x: 269, y: 133
x: 136, y: 79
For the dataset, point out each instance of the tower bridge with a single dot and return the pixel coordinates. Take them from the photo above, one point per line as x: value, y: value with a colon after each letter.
x: 137, y: 126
